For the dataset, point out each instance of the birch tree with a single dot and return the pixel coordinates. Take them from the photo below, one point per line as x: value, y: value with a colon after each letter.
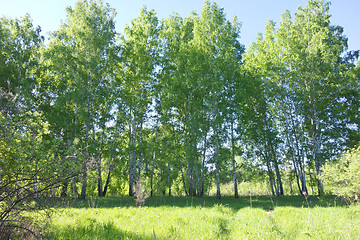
x: 302, y: 63
x: 80, y: 58
x: 315, y: 48
x: 139, y: 56
x: 261, y: 63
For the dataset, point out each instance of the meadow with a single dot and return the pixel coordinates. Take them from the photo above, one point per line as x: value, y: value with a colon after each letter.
x: 248, y: 217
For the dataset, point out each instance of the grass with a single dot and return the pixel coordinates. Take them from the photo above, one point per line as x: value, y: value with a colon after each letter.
x: 286, y: 217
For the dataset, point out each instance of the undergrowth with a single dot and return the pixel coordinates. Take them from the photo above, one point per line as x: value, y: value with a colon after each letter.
x: 285, y: 217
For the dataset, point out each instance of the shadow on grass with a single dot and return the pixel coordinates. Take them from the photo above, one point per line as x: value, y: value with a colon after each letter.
x: 94, y: 231
x: 264, y: 202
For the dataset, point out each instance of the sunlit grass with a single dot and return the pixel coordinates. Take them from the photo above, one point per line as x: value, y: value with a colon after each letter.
x: 205, y: 218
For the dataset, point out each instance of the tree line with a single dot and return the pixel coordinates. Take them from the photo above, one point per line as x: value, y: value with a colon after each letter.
x: 172, y: 103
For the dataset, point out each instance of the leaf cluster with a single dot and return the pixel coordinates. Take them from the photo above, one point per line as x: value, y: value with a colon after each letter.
x: 342, y: 177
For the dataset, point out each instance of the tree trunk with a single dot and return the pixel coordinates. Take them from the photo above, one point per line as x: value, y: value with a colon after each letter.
x: 86, y: 155
x: 100, y: 181
x: 189, y: 174
x: 198, y: 184
x: 315, y: 131
x: 218, y: 193
x: 85, y: 162
x: 236, y: 194
x: 169, y: 180
x: 84, y: 177
x: 74, y: 187
x: 108, y: 178
x: 203, y: 169
x: 202, y: 173
x: 297, y: 177
x: 140, y: 153
x: 216, y: 160
x: 65, y: 183
x: 132, y: 153
x: 73, y: 180
x: 180, y: 166
x: 190, y: 168
x: 131, y: 163
x: 153, y: 163
x: 303, y: 179
x: 111, y: 165
x: 311, y: 183
x: 278, y: 179
x: 269, y: 170
x: 183, y: 180
x: 318, y: 162
x: 190, y: 180
x: 296, y: 152
x: 209, y: 187
x: 279, y: 185
x: 64, y: 188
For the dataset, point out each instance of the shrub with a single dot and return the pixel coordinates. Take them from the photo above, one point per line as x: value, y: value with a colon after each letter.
x: 140, y: 194
x: 342, y: 177
x: 29, y: 173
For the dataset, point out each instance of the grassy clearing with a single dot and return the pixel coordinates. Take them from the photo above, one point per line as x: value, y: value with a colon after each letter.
x: 286, y: 217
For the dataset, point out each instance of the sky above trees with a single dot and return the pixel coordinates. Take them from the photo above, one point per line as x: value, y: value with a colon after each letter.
x: 252, y: 14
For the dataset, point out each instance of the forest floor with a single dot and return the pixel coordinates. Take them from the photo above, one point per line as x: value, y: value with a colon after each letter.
x: 255, y: 217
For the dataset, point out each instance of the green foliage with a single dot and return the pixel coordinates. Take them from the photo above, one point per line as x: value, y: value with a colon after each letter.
x: 306, y: 92
x: 342, y: 177
x: 76, y: 84
x: 30, y: 163
x: 19, y: 45
x: 30, y: 168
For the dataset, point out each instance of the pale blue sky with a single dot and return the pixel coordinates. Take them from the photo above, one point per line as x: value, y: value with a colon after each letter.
x: 252, y: 13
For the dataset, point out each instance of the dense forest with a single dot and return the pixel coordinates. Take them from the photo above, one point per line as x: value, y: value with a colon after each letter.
x: 175, y: 106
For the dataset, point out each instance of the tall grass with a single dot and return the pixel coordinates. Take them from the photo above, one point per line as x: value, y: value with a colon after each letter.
x: 205, y: 218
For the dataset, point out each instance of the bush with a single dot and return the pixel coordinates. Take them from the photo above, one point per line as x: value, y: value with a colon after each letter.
x: 342, y: 177
x: 140, y: 194
x: 29, y: 172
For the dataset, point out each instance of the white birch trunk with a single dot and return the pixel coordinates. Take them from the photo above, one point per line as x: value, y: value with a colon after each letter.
x: 216, y: 160
x: 139, y: 163
x: 153, y: 163
x: 86, y: 154
x: 132, y: 153
x: 236, y: 194
x: 169, y: 179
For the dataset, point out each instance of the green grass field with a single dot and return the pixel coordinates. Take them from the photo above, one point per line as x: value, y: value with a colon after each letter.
x: 263, y: 217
